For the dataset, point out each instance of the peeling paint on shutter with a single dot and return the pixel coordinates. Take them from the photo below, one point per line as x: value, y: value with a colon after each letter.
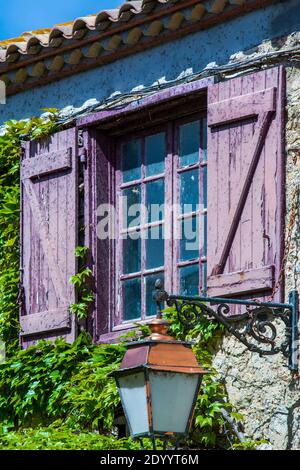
x: 245, y: 183
x: 48, y: 237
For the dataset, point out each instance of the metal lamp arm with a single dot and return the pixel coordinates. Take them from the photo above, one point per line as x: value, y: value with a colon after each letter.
x: 258, y: 327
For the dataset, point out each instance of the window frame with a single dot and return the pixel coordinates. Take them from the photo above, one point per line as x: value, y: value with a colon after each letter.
x: 172, y: 263
x: 201, y: 165
x: 117, y: 312
x: 99, y: 131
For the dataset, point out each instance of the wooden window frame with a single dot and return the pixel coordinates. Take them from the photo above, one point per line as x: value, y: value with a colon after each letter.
x: 100, y: 131
x: 171, y: 177
x: 117, y: 313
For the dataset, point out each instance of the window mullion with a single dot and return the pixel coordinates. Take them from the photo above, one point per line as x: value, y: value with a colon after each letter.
x: 143, y: 240
x: 168, y: 214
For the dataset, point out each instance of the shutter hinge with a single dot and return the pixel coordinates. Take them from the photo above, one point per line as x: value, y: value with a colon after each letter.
x: 21, y: 295
x: 80, y: 138
x: 81, y: 149
x: 82, y: 155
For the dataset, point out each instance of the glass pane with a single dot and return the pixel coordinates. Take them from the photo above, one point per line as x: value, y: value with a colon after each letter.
x: 189, y: 143
x: 150, y: 287
x: 154, y: 247
x: 132, y: 253
x: 131, y: 200
x: 155, y: 154
x: 132, y: 389
x: 172, y: 397
x: 155, y: 195
x: 189, y: 280
x: 131, y: 160
x: 189, y: 191
x: 132, y: 299
x: 189, y: 242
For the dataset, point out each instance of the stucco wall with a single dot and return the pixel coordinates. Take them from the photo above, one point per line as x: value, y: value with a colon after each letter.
x: 167, y: 62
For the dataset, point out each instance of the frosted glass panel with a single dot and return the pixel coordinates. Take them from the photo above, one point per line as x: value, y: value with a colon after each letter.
x: 132, y: 390
x: 172, y: 397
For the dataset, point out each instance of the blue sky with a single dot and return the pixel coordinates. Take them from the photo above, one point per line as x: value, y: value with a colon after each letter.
x: 17, y: 16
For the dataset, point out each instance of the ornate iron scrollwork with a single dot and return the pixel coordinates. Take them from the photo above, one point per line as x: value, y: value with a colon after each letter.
x: 259, y: 327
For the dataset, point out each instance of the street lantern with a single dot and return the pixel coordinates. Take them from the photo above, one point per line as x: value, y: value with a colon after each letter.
x: 159, y: 378
x: 158, y: 382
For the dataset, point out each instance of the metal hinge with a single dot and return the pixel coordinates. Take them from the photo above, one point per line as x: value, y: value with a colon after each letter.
x: 82, y: 155
x: 80, y: 138
x: 21, y: 295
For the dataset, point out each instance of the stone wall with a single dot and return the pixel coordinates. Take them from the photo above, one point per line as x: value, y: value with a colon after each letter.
x: 262, y: 388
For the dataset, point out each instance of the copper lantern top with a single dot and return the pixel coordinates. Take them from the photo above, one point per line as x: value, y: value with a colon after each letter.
x: 160, y: 352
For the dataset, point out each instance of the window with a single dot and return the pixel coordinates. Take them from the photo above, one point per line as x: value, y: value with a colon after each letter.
x: 161, y: 214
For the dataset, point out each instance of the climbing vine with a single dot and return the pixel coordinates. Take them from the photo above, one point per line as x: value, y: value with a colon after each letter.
x: 59, y: 396
x: 82, y: 283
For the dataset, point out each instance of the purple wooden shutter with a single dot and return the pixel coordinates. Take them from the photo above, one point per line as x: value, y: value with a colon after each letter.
x: 245, y: 183
x: 48, y: 237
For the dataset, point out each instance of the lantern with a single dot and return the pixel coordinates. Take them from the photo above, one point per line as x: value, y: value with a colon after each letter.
x: 158, y: 382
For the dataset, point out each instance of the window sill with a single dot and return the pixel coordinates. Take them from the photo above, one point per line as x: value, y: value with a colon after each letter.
x: 120, y: 330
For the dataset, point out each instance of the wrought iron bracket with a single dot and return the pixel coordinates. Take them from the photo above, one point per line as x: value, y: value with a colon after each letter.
x: 266, y: 328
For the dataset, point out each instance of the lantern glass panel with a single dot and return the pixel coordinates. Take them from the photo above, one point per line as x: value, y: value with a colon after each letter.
x: 172, y: 399
x: 132, y: 389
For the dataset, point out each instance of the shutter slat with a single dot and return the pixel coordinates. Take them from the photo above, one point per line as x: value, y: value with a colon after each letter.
x: 46, y: 164
x: 45, y: 322
x: 241, y: 282
x: 245, y: 183
x: 241, y: 107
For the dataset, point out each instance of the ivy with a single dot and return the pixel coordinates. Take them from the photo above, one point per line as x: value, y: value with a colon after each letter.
x: 56, y: 380
x: 82, y: 282
x: 60, y: 437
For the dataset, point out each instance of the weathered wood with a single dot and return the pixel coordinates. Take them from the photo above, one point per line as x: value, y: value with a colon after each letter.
x: 49, y: 230
x: 46, y: 164
x: 41, y: 227
x: 241, y: 107
x: 243, y: 231
x: 242, y: 191
x: 240, y: 282
x: 45, y: 322
x: 165, y: 96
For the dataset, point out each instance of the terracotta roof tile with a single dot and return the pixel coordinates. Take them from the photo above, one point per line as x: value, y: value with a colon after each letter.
x: 69, y: 47
x: 99, y: 21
